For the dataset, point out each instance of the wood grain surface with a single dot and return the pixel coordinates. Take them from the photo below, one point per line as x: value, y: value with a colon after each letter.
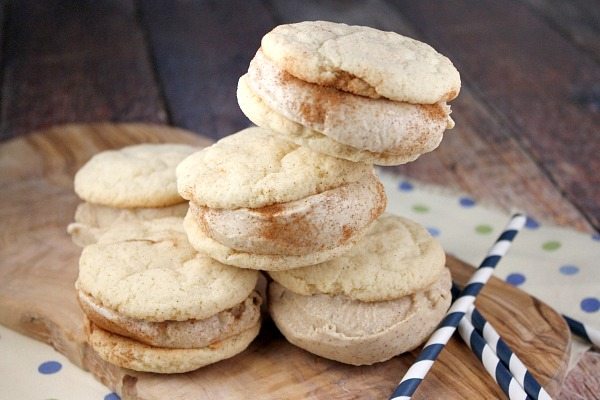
x: 201, y: 48
x: 83, y: 61
x: 38, y: 266
x: 534, y: 88
x: 577, y: 20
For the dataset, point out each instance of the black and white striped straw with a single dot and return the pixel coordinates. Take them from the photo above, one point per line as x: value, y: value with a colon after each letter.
x: 417, y: 372
x: 584, y: 331
x: 491, y: 362
x: 516, y: 367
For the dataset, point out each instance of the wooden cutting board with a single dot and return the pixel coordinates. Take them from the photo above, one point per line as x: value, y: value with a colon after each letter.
x: 38, y: 266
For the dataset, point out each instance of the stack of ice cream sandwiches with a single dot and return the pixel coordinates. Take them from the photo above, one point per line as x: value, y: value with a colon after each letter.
x: 296, y: 197
x: 152, y: 302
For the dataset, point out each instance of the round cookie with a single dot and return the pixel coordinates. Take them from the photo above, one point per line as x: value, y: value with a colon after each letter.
x: 376, y: 125
x: 356, y: 332
x: 264, y: 262
x: 363, y: 61
x: 256, y: 168
x: 128, y: 353
x: 262, y: 115
x: 135, y: 176
x: 149, y: 271
x: 315, y: 223
x: 395, y: 258
x: 93, y: 220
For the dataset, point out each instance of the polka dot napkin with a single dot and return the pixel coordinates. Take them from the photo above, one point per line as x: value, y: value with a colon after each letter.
x: 557, y: 265
x: 32, y: 370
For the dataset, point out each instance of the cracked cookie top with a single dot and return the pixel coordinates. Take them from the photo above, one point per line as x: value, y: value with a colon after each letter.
x: 256, y: 168
x: 364, y: 61
x: 149, y: 271
x: 135, y: 176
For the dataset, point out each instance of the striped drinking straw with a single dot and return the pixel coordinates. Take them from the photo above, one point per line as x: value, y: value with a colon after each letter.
x: 505, y: 354
x: 490, y: 361
x: 416, y: 373
x: 583, y: 331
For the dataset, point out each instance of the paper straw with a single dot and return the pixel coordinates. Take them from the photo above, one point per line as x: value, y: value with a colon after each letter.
x: 417, y: 372
x: 490, y: 361
x: 518, y: 370
x: 584, y: 331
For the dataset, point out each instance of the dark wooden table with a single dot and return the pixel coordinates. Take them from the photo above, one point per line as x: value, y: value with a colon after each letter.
x: 527, y: 120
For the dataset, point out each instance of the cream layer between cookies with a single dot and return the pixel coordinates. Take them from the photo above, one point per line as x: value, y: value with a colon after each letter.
x: 264, y: 262
x: 93, y: 220
x: 131, y: 354
x: 257, y: 111
x: 376, y: 125
x: 356, y: 332
x: 176, y: 334
x: 318, y: 222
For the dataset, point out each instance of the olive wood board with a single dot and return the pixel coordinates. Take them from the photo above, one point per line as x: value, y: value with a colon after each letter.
x: 38, y: 266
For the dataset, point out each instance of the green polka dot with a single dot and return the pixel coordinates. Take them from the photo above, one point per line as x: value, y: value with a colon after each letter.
x: 483, y: 229
x: 551, y: 245
x: 420, y: 208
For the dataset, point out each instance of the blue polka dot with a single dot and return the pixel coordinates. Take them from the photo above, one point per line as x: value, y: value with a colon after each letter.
x: 466, y: 202
x: 49, y: 367
x: 569, y: 269
x: 515, y: 279
x: 590, y: 304
x: 596, y: 237
x: 112, y: 396
x: 405, y: 186
x: 433, y: 231
x: 531, y: 223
